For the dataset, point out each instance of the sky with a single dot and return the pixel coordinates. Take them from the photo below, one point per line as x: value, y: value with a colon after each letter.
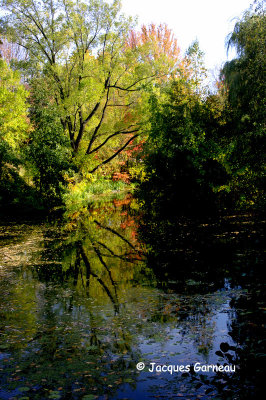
x: 209, y: 21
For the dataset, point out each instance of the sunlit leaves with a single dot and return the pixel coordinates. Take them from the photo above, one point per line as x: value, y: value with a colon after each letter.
x: 96, y: 76
x: 13, y: 107
x: 244, y: 79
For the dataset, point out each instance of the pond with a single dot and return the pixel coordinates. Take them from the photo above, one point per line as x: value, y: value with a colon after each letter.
x: 117, y: 302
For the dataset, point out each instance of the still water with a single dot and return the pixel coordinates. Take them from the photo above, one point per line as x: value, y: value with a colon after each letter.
x: 87, y: 299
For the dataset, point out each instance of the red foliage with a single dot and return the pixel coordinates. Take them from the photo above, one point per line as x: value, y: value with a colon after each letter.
x: 161, y: 37
x: 125, y: 201
x: 121, y: 176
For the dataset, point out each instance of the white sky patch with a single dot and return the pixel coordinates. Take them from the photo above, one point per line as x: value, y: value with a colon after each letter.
x: 210, y: 21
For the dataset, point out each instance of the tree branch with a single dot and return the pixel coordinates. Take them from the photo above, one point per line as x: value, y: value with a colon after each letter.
x: 110, y: 137
x: 88, y: 267
x: 99, y: 124
x: 128, y: 89
x: 92, y: 113
x: 115, y: 233
x: 114, y: 155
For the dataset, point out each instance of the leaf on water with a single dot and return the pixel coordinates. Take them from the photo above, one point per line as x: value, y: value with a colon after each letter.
x: 24, y: 389
x: 88, y: 397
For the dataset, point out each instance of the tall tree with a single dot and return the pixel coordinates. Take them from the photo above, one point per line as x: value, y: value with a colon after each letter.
x: 160, y: 46
x: 245, y: 75
x: 244, y: 79
x: 95, y: 79
x: 198, y: 71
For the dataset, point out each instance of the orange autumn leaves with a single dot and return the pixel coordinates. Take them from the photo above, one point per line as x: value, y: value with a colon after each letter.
x: 161, y: 46
x: 160, y: 38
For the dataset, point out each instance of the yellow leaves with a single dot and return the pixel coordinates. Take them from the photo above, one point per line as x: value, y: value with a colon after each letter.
x: 90, y: 177
x: 222, y: 188
x: 138, y: 172
x: 75, y: 215
x: 14, y: 125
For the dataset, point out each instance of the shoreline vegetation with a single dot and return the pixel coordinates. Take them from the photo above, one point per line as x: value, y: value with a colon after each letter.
x: 92, y: 106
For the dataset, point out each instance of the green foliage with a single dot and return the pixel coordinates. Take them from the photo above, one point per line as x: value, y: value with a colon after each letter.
x: 48, y: 152
x: 95, y: 77
x: 13, y: 114
x: 245, y: 83
x: 14, y: 132
x: 138, y: 173
x: 185, y: 160
x: 80, y: 193
x: 245, y: 75
x: 87, y: 75
x: 195, y: 58
x: 207, y: 151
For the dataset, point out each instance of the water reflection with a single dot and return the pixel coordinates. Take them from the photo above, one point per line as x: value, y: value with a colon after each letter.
x: 83, y: 303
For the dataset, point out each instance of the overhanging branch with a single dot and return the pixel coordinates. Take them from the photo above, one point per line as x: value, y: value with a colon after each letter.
x: 110, y: 137
x: 114, y: 155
